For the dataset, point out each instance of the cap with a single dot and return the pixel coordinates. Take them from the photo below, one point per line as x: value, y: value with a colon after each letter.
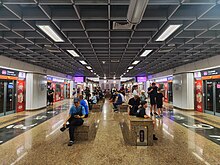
x: 76, y: 100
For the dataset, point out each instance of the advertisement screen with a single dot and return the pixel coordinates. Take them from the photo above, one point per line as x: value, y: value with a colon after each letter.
x: 141, y: 79
x: 79, y: 79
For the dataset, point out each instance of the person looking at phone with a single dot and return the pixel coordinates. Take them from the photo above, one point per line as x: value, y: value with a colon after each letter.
x: 75, y: 118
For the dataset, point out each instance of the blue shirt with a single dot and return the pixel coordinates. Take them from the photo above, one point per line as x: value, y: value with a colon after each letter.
x: 83, y: 103
x: 119, y: 99
x: 75, y: 110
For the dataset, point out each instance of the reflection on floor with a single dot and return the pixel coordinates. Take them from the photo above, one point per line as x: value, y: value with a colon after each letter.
x: 45, y: 144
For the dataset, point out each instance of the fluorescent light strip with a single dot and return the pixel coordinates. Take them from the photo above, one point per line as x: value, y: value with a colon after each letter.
x: 51, y: 33
x: 130, y: 67
x: 73, y: 53
x: 135, y: 62
x: 83, y: 62
x: 145, y: 53
x: 89, y: 67
x: 170, y: 30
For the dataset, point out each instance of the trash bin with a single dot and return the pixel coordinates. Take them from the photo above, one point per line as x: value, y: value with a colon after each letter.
x: 141, y: 135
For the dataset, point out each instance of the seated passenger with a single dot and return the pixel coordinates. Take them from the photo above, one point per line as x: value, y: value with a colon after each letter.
x: 94, y: 98
x: 134, y: 104
x: 75, y: 119
x: 141, y: 112
x: 118, y: 101
x: 84, y: 104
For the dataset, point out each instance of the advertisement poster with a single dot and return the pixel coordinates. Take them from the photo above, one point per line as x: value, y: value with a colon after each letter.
x: 198, y: 97
x: 20, y: 95
x: 166, y: 92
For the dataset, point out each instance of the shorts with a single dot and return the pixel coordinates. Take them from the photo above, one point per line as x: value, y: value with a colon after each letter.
x: 159, y: 105
x: 153, y: 100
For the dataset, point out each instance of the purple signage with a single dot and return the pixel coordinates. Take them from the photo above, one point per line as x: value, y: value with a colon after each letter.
x: 141, y: 79
x: 79, y: 79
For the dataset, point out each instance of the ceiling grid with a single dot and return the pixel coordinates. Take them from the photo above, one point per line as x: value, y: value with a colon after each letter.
x: 86, y: 26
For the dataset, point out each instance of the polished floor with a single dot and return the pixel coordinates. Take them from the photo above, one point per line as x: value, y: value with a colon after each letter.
x: 183, y: 139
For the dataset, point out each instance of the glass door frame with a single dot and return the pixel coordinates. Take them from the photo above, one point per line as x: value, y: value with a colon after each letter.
x: 213, y: 97
x: 14, y: 98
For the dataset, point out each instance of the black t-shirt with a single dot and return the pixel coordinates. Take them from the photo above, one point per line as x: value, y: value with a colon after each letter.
x: 134, y: 102
x: 160, y: 98
x: 154, y: 92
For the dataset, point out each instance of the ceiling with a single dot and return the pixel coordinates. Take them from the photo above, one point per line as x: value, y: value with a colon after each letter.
x: 87, y: 27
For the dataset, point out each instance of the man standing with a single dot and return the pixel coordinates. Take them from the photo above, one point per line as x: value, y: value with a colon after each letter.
x: 152, y: 91
x: 75, y: 119
x: 84, y: 104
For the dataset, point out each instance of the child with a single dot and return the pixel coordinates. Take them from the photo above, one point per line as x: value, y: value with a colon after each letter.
x: 142, y: 113
x: 160, y: 102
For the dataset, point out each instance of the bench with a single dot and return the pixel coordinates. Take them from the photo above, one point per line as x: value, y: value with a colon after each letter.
x: 137, y: 131
x: 89, y: 128
x: 123, y: 107
x: 97, y: 107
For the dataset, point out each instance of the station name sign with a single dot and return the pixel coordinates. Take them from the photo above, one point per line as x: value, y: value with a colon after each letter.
x: 7, y: 72
x: 211, y: 72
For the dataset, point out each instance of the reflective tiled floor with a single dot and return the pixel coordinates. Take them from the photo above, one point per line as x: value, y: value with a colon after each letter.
x: 177, y: 144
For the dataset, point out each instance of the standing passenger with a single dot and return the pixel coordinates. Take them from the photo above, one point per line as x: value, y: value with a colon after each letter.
x: 160, y: 102
x: 152, y: 91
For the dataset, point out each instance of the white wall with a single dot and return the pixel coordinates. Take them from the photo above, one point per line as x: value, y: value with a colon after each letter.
x: 183, y: 91
x: 19, y: 65
x: 36, y: 91
x: 199, y: 65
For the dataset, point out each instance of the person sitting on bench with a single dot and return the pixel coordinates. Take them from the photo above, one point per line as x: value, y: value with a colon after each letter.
x: 75, y: 119
x: 141, y: 112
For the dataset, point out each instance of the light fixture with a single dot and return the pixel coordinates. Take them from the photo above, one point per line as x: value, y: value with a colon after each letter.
x: 127, y: 70
x: 105, y: 77
x: 88, y: 67
x: 130, y: 67
x: 50, y: 32
x: 114, y: 77
x: 135, y: 62
x: 145, y: 53
x: 136, y: 10
x: 91, y: 70
x: 170, y: 30
x: 73, y: 53
x: 83, y: 62
x: 103, y: 62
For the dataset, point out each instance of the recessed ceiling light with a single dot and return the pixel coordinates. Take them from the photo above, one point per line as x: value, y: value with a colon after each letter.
x: 88, y: 67
x: 135, y: 62
x: 73, y: 53
x: 145, y: 53
x: 83, y: 62
x: 91, y: 70
x: 130, y: 67
x: 127, y: 70
x: 50, y: 32
x: 170, y: 30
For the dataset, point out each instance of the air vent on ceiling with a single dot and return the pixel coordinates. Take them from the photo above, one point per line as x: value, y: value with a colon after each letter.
x: 122, y: 26
x: 54, y: 50
x: 164, y: 50
x: 114, y: 61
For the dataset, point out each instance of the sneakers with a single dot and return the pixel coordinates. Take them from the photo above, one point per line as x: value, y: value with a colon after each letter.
x: 62, y: 129
x: 70, y: 143
x: 151, y: 114
x: 155, y: 113
x: 154, y: 137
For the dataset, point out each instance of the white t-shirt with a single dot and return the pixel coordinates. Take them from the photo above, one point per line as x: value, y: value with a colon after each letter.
x: 134, y: 93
